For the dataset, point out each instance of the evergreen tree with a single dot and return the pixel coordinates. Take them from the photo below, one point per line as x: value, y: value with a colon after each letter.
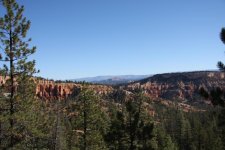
x: 132, y: 128
x: 87, y: 121
x: 217, y: 95
x: 19, y: 107
x: 70, y: 124
x: 222, y: 37
x: 116, y: 136
x: 164, y: 140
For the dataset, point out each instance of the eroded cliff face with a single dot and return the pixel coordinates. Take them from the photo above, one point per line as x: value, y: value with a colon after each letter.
x: 50, y: 90
x: 182, y: 86
x: 170, y: 86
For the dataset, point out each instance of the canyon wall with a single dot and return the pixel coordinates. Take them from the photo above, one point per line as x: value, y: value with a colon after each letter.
x: 51, y: 90
x: 182, y: 86
x: 170, y: 86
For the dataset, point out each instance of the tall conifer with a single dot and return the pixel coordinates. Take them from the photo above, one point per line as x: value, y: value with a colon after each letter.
x: 18, y: 70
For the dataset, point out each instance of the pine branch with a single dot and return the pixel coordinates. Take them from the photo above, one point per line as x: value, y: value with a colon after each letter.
x: 222, y: 35
x: 221, y: 66
x: 4, y: 60
x: 23, y: 57
x: 2, y: 32
x: 16, y: 59
x: 23, y: 72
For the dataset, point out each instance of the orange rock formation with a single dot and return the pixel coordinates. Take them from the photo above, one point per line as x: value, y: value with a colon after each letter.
x: 51, y: 90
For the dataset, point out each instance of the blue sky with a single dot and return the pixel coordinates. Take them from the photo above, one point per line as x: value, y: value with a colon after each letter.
x: 82, y: 38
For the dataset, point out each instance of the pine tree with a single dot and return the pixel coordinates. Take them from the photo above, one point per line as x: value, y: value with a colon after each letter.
x: 217, y: 95
x: 132, y: 128
x: 222, y: 37
x: 86, y: 121
x: 164, y: 140
x: 116, y: 136
x: 19, y: 70
x: 70, y: 123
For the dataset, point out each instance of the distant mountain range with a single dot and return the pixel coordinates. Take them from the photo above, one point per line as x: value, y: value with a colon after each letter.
x: 113, y: 80
x: 181, y: 86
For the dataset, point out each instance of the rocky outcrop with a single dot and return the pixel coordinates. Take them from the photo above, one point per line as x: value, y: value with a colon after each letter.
x: 182, y: 86
x: 50, y: 90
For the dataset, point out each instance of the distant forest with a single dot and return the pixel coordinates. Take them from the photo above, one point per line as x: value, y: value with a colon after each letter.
x: 119, y: 120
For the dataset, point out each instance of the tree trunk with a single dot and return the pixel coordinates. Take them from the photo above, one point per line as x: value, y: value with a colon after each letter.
x: 131, y: 134
x: 56, y: 142
x: 85, y: 126
x: 11, y: 90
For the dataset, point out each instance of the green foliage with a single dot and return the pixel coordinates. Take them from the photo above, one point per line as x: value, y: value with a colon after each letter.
x: 190, y: 130
x: 21, y: 114
x: 222, y: 35
x: 86, y: 121
x: 220, y: 65
x: 118, y: 96
x: 131, y: 128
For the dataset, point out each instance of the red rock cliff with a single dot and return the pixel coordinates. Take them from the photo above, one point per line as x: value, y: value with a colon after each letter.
x: 184, y: 86
x: 51, y: 90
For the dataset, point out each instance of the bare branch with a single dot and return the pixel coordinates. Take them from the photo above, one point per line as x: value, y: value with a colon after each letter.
x: 4, y: 60
x: 1, y: 32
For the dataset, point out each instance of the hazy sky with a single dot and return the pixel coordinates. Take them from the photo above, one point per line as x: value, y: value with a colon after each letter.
x: 80, y: 38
